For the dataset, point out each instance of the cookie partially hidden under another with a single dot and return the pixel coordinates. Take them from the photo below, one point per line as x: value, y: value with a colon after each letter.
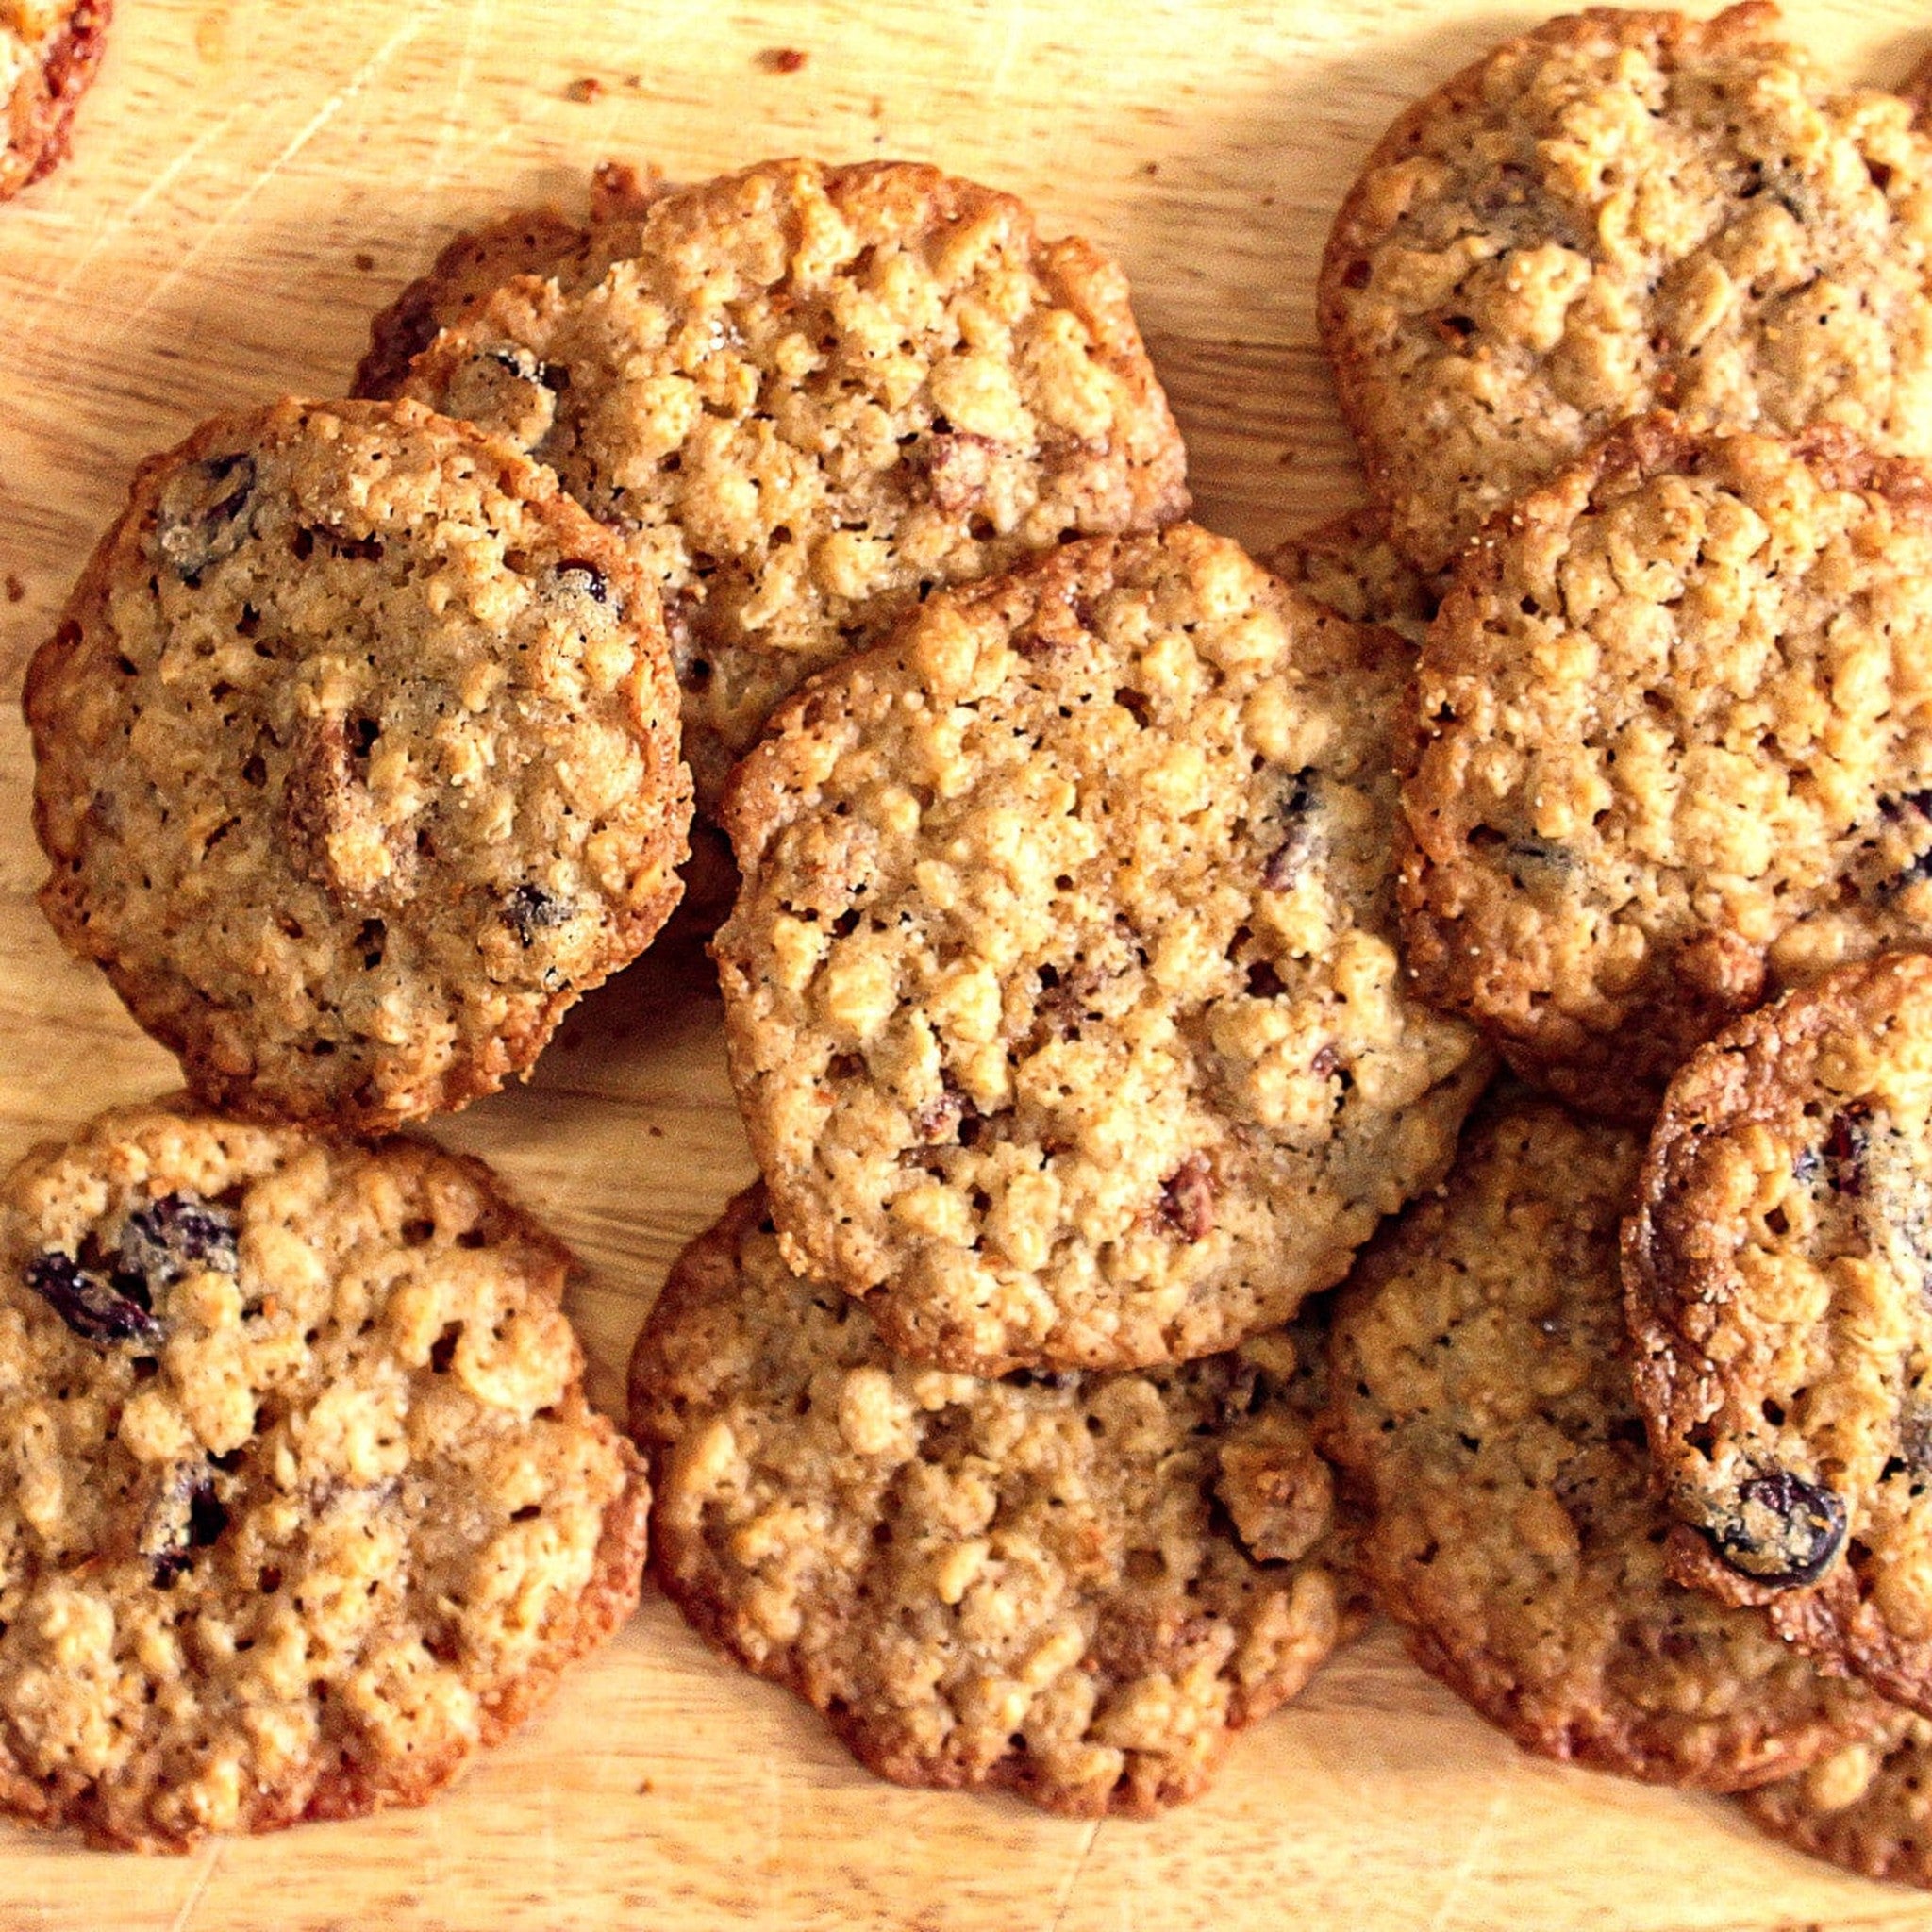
x: 1866, y: 1807
x: 1480, y: 1382
x: 1061, y: 993
x: 302, y: 1501
x: 811, y: 394
x: 1074, y: 1587
x: 356, y: 760
x: 1775, y: 1268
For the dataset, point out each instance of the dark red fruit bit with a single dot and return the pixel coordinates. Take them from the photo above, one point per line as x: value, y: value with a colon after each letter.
x: 161, y: 1242
x: 206, y: 512
x: 1326, y: 1061
x: 940, y: 1117
x: 957, y: 466
x: 1783, y: 1530
x: 1186, y: 1200
x: 94, y: 1309
x: 531, y: 909
x: 188, y: 1516
x: 782, y: 59
x: 1844, y: 1149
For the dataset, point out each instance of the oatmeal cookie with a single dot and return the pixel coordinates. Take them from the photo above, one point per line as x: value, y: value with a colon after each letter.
x: 1671, y: 749
x: 1618, y: 211
x: 1866, y: 1807
x: 302, y: 1501
x: 356, y: 760
x: 531, y: 241
x: 1481, y: 1395
x: 812, y: 396
x: 48, y: 52
x: 1076, y: 1587
x: 1349, y: 564
x: 1062, y: 993
x: 1776, y: 1271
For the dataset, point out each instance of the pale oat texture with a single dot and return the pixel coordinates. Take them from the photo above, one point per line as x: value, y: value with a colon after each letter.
x: 1619, y: 211
x: 48, y: 52
x: 1866, y: 1807
x: 1349, y: 564
x: 1062, y: 993
x: 301, y: 1503
x: 1775, y: 1272
x: 356, y: 760
x: 472, y: 266
x: 1671, y: 749
x: 1073, y: 1585
x: 812, y: 396
x: 1480, y: 1381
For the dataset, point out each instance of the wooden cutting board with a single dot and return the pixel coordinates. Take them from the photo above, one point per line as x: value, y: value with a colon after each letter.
x: 253, y: 177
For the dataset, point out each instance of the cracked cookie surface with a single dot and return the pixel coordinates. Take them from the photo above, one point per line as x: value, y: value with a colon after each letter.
x: 1775, y: 1272
x: 1061, y: 992
x: 356, y: 760
x: 48, y: 52
x: 302, y: 1503
x: 1481, y: 1393
x: 1617, y: 212
x: 1672, y: 750
x: 1071, y: 1585
x: 812, y: 396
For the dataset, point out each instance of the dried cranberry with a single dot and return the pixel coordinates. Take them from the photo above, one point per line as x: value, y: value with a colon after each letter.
x: 1187, y: 1200
x: 186, y: 1516
x: 95, y: 1309
x: 204, y: 513
x: 1783, y: 1530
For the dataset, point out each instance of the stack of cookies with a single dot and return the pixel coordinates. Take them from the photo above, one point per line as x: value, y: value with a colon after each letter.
x: 1121, y: 935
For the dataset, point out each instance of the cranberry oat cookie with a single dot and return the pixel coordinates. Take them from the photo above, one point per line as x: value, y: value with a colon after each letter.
x: 1480, y: 1394
x: 1618, y: 211
x: 1076, y: 1587
x: 1671, y: 749
x: 48, y: 52
x: 1061, y: 993
x: 532, y: 241
x: 1776, y: 1272
x: 812, y: 396
x: 356, y: 760
x: 302, y: 1503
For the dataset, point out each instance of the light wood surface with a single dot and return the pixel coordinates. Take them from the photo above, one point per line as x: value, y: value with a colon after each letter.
x: 252, y: 177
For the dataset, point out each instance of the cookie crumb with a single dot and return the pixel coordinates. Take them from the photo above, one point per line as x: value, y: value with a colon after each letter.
x: 15, y: 589
x: 782, y: 59
x: 586, y: 87
x: 363, y: 260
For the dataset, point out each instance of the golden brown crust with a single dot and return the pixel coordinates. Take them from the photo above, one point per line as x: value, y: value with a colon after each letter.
x: 1072, y: 1587
x: 248, y: 847
x: 1640, y: 783
x: 1615, y: 213
x: 40, y: 115
x: 1773, y: 1274
x: 1866, y: 1807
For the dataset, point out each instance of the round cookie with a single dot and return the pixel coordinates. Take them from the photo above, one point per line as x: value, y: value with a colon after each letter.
x: 1349, y: 564
x: 356, y: 760
x: 302, y: 1503
x: 470, y: 269
x: 1480, y: 1395
x: 1618, y: 211
x: 1074, y: 1587
x: 1776, y: 1271
x: 1061, y: 993
x: 48, y: 52
x: 812, y: 396
x: 1671, y: 749
x: 1866, y: 1807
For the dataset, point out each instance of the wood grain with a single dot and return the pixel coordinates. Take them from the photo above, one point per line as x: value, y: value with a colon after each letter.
x: 251, y: 178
